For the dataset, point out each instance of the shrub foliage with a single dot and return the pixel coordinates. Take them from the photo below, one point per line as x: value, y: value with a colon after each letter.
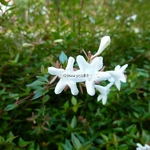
x: 32, y: 36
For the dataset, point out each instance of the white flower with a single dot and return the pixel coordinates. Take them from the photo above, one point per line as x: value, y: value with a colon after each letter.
x: 140, y: 147
x: 118, y: 75
x: 65, y: 77
x: 104, y: 92
x: 105, y: 41
x: 91, y: 70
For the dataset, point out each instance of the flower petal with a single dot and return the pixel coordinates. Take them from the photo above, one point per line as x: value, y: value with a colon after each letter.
x: 96, y: 64
x: 105, y: 41
x: 117, y: 68
x: 118, y: 84
x: 83, y: 65
x: 55, y: 71
x: 123, y: 68
x: 99, y: 97
x: 104, y: 99
x: 60, y: 86
x: 102, y: 76
x: 90, y: 87
x: 70, y: 64
x: 73, y: 87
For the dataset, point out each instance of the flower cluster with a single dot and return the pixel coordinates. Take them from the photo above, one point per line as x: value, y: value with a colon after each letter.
x: 91, y: 73
x: 140, y: 147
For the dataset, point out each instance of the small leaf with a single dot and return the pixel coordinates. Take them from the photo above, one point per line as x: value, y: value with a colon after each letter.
x: 10, y: 137
x: 16, y: 59
x: 58, y: 41
x: 73, y: 122
x: 63, y: 57
x: 75, y: 142
x: 66, y: 105
x: 22, y: 143
x: 42, y: 78
x: 36, y: 83
x: 10, y: 107
x: 92, y: 20
x: 39, y: 93
x: 27, y: 45
x: 73, y: 100
x: 105, y: 138
x: 2, y: 140
x: 3, y: 2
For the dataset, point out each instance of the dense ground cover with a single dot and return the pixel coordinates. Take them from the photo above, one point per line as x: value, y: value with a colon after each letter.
x: 33, y: 35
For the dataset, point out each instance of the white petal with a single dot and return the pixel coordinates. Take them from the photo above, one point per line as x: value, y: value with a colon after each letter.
x: 140, y: 147
x: 99, y: 97
x: 60, y: 86
x: 118, y: 85
x: 147, y: 146
x: 70, y: 64
x: 101, y: 89
x: 96, y: 63
x: 123, y: 68
x: 100, y: 76
x: 83, y: 65
x: 73, y: 87
x: 105, y: 41
x: 117, y: 68
x: 104, y: 99
x: 55, y: 71
x: 109, y: 85
x: 90, y: 87
x: 118, y: 75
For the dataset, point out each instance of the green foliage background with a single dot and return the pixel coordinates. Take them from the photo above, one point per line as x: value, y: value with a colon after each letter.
x: 32, y: 36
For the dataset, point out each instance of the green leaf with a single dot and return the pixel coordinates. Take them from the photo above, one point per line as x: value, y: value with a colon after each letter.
x: 63, y: 57
x: 3, y: 2
x: 36, y: 83
x: 73, y: 122
x: 39, y: 93
x: 42, y: 78
x: 66, y: 105
x: 10, y: 107
x: 2, y: 140
x: 75, y: 142
x: 105, y: 138
x: 10, y: 137
x: 23, y: 143
x: 16, y: 59
x: 73, y: 100
x: 131, y: 129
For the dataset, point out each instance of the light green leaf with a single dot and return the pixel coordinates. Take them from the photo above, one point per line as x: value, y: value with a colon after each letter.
x: 39, y: 93
x: 66, y: 105
x: 73, y: 100
x: 36, y: 83
x: 22, y: 143
x: 73, y: 122
x: 105, y: 138
x: 10, y: 137
x: 75, y: 142
x: 2, y: 140
x: 63, y: 57
x: 10, y: 107
x: 16, y: 59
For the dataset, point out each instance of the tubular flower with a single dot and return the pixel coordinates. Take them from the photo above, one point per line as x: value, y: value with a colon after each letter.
x: 105, y: 41
x: 104, y: 92
x: 91, y: 70
x: 118, y: 75
x: 64, y: 77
